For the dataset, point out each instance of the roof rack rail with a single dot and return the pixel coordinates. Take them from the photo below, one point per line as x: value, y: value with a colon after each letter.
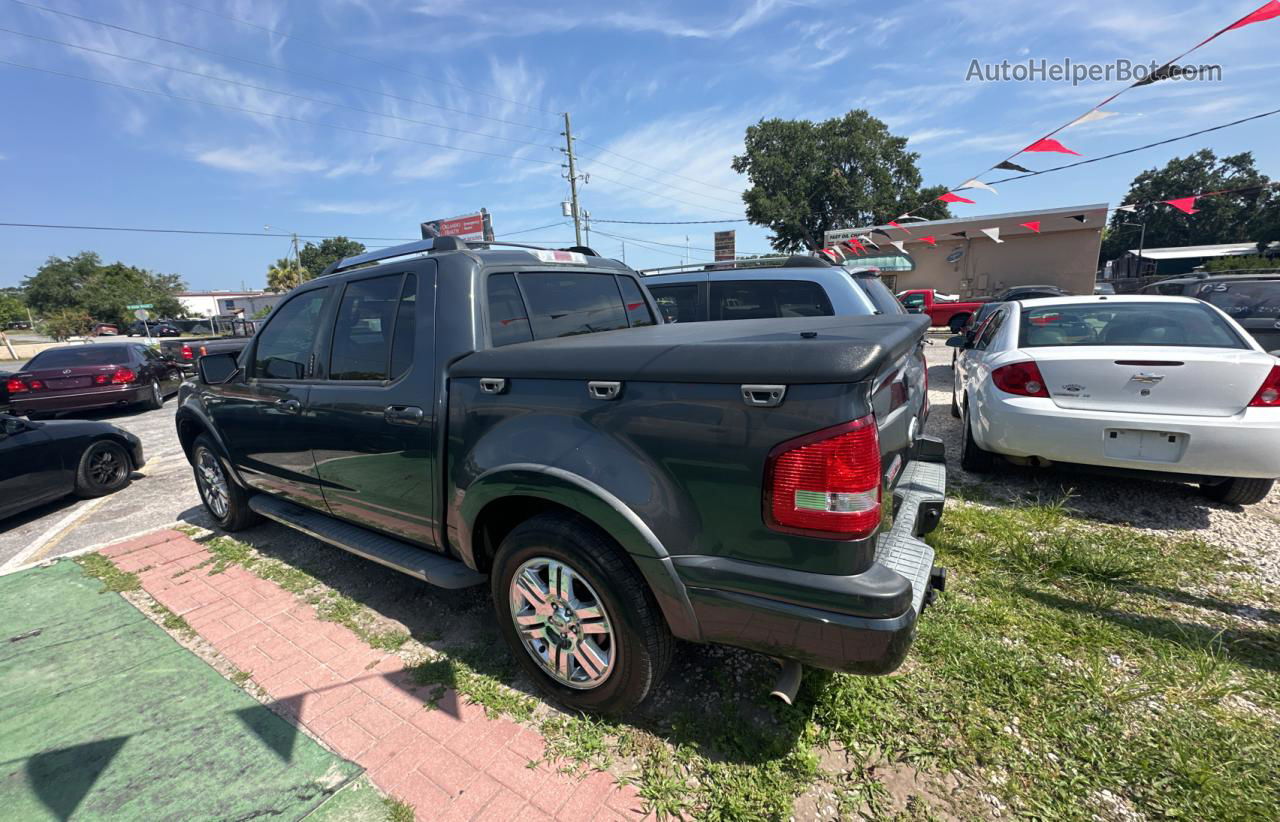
x: 415, y: 247
x: 779, y: 261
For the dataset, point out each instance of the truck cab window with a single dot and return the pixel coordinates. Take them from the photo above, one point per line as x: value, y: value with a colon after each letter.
x: 508, y: 319
x: 562, y: 304
x: 284, y: 346
x: 362, y: 333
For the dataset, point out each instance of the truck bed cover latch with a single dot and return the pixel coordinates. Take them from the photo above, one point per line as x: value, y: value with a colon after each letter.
x: 604, y: 389
x: 764, y: 396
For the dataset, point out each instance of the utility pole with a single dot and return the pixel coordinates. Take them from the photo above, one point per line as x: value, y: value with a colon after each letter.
x: 586, y: 225
x: 624, y: 252
x: 573, y: 181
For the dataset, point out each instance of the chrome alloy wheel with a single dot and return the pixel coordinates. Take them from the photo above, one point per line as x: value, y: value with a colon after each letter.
x: 157, y: 395
x: 212, y: 482
x: 562, y: 623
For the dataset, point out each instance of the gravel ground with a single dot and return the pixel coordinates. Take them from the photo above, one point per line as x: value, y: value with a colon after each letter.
x: 1251, y: 534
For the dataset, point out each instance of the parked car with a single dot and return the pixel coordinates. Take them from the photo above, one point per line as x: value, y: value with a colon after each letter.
x: 945, y: 310
x: 4, y: 391
x: 1103, y: 288
x: 461, y: 412
x: 972, y: 325
x: 104, y: 330
x: 156, y: 328
x: 187, y: 350
x: 1169, y: 386
x: 1029, y: 292
x: 1253, y: 300
x: 44, y: 461
x: 84, y: 377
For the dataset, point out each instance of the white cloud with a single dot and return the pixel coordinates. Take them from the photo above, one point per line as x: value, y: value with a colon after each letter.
x: 260, y: 160
x: 926, y: 135
x: 435, y: 165
x: 369, y: 165
x: 355, y: 207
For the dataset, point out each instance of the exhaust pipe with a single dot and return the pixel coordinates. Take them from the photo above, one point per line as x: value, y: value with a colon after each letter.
x: 788, y: 682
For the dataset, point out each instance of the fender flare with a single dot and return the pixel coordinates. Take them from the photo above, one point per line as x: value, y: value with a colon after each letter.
x: 194, y: 412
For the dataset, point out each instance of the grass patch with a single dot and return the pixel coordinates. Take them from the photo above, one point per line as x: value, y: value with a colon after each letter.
x: 398, y: 811
x: 105, y: 571
x: 172, y: 621
x: 241, y: 678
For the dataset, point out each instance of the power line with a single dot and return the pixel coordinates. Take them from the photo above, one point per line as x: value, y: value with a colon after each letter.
x: 708, y: 197
x: 200, y: 231
x: 1139, y: 148
x: 270, y: 90
x: 657, y: 168
x: 670, y: 222
x: 527, y: 230
x: 656, y: 242
x: 273, y: 67
x: 286, y: 117
x: 644, y: 245
x: 362, y: 57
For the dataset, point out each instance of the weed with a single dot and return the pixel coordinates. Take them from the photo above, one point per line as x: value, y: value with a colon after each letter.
x: 241, y: 678
x: 172, y: 621
x: 105, y: 571
x: 398, y: 811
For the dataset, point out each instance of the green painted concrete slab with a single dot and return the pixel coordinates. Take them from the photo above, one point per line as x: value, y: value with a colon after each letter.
x: 104, y: 716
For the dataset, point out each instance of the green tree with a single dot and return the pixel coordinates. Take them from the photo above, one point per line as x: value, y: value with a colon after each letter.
x: 12, y: 309
x: 65, y: 323
x: 1250, y: 216
x: 261, y: 313
x: 808, y: 178
x: 285, y: 274
x: 316, y: 258
x: 85, y: 284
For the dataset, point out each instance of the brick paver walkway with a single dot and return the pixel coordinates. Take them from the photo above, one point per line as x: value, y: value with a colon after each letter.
x: 450, y: 763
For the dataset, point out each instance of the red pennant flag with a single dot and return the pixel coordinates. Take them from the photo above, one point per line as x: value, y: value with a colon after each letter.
x: 930, y: 240
x: 855, y: 245
x: 1265, y: 12
x: 1184, y: 204
x: 831, y: 255
x: 895, y: 225
x: 952, y: 197
x: 1034, y: 225
x: 1049, y: 144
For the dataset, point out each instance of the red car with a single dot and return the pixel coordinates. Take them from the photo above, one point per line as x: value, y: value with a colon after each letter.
x: 84, y: 377
x: 943, y: 309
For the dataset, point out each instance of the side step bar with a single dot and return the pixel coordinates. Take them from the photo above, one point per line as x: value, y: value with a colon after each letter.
x: 416, y: 562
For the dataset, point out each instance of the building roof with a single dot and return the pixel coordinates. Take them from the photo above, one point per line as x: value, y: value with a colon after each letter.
x: 1189, y: 252
x: 221, y: 294
x: 1051, y: 220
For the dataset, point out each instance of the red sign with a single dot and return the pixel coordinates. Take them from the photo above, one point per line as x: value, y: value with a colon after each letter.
x: 471, y: 227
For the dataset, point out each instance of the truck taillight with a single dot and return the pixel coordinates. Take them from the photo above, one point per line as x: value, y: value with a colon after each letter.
x: 15, y: 386
x: 187, y: 353
x: 1268, y: 395
x: 1021, y: 378
x: 826, y: 484
x: 123, y: 376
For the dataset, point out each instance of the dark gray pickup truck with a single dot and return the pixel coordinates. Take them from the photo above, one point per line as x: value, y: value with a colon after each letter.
x: 466, y: 413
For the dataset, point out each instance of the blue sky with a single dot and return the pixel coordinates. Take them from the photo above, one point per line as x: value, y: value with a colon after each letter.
x: 670, y: 85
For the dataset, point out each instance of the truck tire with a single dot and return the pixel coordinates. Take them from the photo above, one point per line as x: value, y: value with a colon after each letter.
x: 1238, y: 491
x: 226, y: 502
x: 957, y: 323
x: 104, y: 469
x: 578, y: 616
x: 972, y: 457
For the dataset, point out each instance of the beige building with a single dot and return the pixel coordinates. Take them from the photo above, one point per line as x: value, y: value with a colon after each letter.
x: 966, y: 262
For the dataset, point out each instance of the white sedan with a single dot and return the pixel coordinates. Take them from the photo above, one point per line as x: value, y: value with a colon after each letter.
x: 1168, y: 386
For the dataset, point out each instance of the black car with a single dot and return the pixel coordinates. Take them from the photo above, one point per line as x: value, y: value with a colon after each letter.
x: 44, y: 461
x: 1029, y: 292
x: 158, y: 328
x: 84, y: 377
x: 1253, y: 300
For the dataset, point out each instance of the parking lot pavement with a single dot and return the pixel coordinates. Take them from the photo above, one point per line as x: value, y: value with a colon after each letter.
x: 159, y: 494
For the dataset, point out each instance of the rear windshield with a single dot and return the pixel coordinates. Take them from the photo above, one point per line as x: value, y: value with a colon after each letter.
x: 73, y: 357
x: 1249, y: 300
x: 880, y: 295
x: 1180, y: 324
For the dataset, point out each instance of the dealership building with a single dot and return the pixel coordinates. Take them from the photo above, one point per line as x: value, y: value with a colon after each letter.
x: 965, y: 261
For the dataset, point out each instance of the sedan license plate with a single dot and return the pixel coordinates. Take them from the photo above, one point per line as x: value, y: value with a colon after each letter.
x: 70, y: 382
x: 1149, y: 446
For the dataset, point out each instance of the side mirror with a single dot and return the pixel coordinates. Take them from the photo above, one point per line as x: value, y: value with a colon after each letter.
x: 12, y: 425
x: 215, y: 369
x: 958, y: 341
x: 914, y: 309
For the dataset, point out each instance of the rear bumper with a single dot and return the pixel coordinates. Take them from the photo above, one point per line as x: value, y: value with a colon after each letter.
x: 80, y: 400
x: 863, y: 623
x: 1243, y: 445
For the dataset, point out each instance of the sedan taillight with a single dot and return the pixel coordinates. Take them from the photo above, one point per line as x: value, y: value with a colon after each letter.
x: 124, y: 376
x: 826, y: 484
x: 15, y: 386
x: 1021, y: 378
x: 1268, y: 395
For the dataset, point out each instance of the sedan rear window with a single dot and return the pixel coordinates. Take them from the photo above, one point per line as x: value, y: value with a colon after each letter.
x: 1158, y: 324
x: 74, y: 357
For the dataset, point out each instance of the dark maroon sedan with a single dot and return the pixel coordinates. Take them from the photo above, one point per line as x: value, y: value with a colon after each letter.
x: 84, y: 377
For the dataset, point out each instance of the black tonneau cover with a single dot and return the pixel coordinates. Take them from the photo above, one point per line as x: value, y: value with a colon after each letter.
x: 841, y: 349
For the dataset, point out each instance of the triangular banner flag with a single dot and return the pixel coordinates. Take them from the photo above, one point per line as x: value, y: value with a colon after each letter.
x: 1184, y: 204
x: 830, y: 255
x: 993, y: 233
x: 1008, y: 166
x: 900, y: 245
x: 911, y: 217
x: 977, y: 184
x: 886, y: 234
x: 1163, y: 73
x: 1093, y: 116
x: 1265, y: 12
x: 1130, y: 208
x: 855, y: 246
x: 1034, y: 225
x: 930, y: 240
x: 952, y: 197
x: 866, y: 239
x: 1050, y: 144
x: 841, y: 253
x: 895, y: 225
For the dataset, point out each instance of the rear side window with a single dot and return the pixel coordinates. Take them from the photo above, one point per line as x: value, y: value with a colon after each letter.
x: 562, y: 304
x: 765, y: 299
x: 1257, y: 300
x: 989, y: 330
x: 284, y: 346
x: 1180, y: 324
x: 365, y: 331
x: 678, y: 303
x: 508, y: 319
x: 879, y: 294
x: 633, y: 300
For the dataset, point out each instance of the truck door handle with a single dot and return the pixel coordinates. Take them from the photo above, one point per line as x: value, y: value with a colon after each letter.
x: 403, y: 414
x: 289, y: 406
